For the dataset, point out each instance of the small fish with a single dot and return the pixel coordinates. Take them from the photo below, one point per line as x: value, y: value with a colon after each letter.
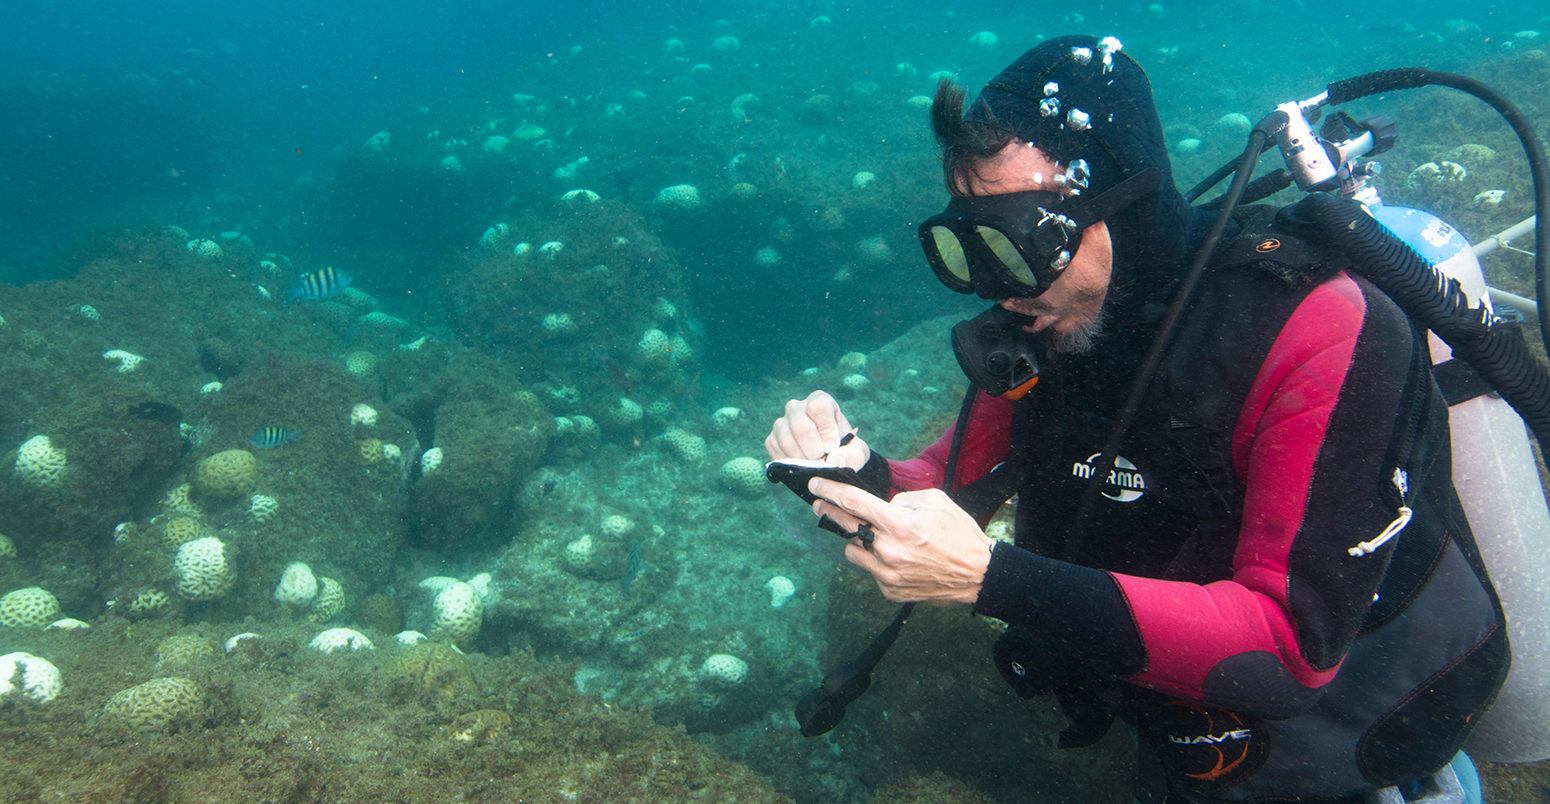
x: 271, y: 437
x: 157, y: 411
x: 319, y: 284
x: 632, y: 567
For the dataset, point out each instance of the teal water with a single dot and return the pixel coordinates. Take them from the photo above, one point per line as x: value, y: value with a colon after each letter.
x: 578, y: 394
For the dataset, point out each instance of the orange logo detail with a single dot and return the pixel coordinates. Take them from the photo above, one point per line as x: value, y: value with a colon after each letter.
x: 1267, y: 245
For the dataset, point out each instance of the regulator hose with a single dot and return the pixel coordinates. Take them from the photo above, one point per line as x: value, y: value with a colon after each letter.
x: 1498, y: 352
x: 1412, y: 77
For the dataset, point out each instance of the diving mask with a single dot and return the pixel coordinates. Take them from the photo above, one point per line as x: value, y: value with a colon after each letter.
x: 1016, y: 244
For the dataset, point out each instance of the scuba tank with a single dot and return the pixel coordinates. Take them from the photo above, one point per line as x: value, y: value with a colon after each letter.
x: 1498, y: 483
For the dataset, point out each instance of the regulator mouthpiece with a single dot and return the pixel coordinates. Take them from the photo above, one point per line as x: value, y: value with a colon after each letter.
x: 996, y: 353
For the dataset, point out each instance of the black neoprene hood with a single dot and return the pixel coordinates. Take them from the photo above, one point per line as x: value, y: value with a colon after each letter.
x: 1066, y: 99
x: 1076, y: 101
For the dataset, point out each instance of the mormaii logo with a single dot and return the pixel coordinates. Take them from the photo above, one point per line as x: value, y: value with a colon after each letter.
x: 1125, y: 483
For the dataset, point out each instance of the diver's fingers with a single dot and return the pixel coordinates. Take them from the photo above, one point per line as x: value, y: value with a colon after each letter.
x: 825, y: 413
x: 889, y: 581
x: 846, y: 521
x: 857, y: 504
x: 854, y: 454
x: 796, y: 434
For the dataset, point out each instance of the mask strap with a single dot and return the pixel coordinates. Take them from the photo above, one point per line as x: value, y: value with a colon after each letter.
x: 1088, y: 210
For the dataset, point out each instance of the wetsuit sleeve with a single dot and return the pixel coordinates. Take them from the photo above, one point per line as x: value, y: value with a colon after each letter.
x: 1309, y: 447
x: 985, y: 444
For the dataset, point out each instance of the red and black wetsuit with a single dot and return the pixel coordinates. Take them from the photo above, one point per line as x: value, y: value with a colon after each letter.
x: 1216, y: 576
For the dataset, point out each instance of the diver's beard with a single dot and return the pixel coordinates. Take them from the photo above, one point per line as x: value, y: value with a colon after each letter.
x: 1080, y: 340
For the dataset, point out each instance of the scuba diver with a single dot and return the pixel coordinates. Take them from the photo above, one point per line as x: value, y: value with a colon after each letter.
x: 1256, y: 552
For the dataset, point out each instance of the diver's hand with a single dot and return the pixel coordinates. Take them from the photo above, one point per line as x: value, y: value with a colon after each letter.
x: 812, y: 429
x: 925, y: 548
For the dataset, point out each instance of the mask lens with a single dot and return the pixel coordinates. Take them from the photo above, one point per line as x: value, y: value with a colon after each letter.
x: 1007, y: 254
x: 949, y: 254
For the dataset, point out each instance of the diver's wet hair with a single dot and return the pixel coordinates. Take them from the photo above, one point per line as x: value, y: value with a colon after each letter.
x: 965, y: 143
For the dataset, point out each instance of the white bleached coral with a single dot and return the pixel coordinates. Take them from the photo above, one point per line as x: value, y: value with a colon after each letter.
x: 726, y: 417
x: 781, y: 590
x: 1489, y: 198
x: 25, y: 676
x: 744, y: 475
x: 724, y: 670
x: 493, y: 235
x: 39, y: 463
x: 689, y: 447
x: 654, y: 348
x: 854, y: 383
x: 261, y: 507
x: 623, y: 414
x: 617, y: 526
x: 984, y: 40
x: 679, y: 196
x: 430, y: 461
x: 335, y: 639
x: 236, y: 640
x: 127, y: 361
x: 1443, y: 172
x: 555, y: 324
x: 363, y: 415
x: 579, y: 552
x: 298, y: 587
x: 203, y: 570
x: 204, y: 247
x: 459, y: 612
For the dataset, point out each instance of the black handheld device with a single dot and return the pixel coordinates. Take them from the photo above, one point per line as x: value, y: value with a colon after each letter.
x: 795, y: 472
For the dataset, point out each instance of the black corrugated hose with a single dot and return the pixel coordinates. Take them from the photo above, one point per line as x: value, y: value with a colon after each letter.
x: 1413, y: 77
x: 1498, y: 352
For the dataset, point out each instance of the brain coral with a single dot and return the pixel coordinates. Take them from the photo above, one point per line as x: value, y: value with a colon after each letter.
x: 744, y: 475
x: 149, y: 603
x: 459, y: 613
x: 228, y: 474
x: 433, y: 669
x: 689, y: 447
x: 480, y: 727
x: 39, y: 463
x: 32, y: 606
x: 157, y: 704
x: 181, y: 530
x: 329, y: 601
x: 298, y: 586
x: 183, y: 649
x: 679, y: 196
x: 724, y: 670
x: 23, y: 675
x: 346, y: 639
x: 203, y: 569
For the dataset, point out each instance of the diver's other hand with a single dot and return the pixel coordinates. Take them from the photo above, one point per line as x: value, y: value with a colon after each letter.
x: 812, y: 429
x: 924, y: 548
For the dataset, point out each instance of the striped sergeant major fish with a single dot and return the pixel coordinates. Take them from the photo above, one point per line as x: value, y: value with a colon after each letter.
x: 271, y: 437
x: 320, y: 284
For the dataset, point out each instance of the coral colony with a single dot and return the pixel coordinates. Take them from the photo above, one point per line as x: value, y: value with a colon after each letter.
x: 469, y: 478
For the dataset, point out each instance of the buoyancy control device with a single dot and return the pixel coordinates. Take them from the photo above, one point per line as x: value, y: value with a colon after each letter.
x: 1496, y: 390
